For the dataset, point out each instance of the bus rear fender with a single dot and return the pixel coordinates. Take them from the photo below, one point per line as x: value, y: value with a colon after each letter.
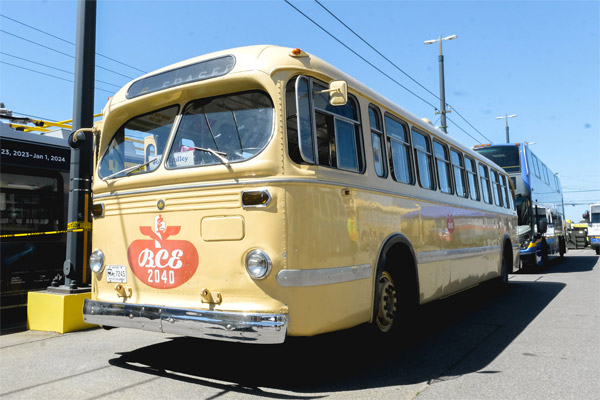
x: 398, y: 255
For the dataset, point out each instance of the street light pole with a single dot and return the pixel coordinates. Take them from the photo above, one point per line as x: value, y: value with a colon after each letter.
x: 443, y: 110
x: 78, y: 243
x: 506, y: 117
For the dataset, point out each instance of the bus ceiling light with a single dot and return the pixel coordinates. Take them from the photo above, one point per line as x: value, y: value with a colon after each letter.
x: 256, y: 198
x: 97, y: 261
x: 258, y: 264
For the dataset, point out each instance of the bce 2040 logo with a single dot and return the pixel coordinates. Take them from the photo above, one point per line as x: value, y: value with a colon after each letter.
x: 162, y: 263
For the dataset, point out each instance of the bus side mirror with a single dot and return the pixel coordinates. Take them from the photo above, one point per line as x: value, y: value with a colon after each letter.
x: 543, y: 227
x: 338, y: 93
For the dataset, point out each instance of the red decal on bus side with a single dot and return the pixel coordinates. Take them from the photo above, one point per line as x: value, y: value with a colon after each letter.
x: 162, y: 263
x: 450, y: 223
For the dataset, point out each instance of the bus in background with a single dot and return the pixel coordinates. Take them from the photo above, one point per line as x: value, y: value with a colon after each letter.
x: 539, y: 201
x: 594, y: 227
x: 272, y: 195
x: 34, y: 187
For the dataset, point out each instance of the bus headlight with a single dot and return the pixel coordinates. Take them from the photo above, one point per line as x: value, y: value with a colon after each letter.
x: 97, y: 261
x: 258, y: 264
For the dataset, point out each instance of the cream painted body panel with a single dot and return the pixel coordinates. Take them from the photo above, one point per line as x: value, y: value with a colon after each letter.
x: 221, y: 255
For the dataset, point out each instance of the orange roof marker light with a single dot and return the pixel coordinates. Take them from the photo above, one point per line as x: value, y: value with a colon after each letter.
x: 298, y: 53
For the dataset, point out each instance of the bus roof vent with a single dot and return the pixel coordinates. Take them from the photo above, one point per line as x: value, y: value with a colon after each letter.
x: 427, y: 121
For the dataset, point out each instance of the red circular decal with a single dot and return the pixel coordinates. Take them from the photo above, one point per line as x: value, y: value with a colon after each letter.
x: 162, y: 263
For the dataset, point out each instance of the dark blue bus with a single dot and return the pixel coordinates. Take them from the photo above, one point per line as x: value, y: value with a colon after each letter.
x: 34, y: 185
x: 539, y: 201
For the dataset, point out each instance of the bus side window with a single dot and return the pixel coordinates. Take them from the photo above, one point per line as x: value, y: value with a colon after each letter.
x: 335, y: 140
x: 534, y: 162
x: 497, y: 188
x: 337, y: 132
x: 442, y: 160
x: 399, y: 147
x: 458, y: 167
x: 424, y: 160
x: 472, y: 178
x: 505, y: 191
x: 377, y: 141
x: 485, y: 183
x: 304, y: 118
x: 545, y: 169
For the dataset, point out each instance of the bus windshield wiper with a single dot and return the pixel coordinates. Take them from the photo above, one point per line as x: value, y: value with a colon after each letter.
x: 218, y: 154
x: 127, y: 171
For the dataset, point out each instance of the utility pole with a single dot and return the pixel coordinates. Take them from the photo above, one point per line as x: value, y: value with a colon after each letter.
x: 78, y: 243
x: 443, y: 110
x: 506, y: 117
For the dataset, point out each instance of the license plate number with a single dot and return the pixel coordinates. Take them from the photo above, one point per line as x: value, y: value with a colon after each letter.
x: 116, y: 273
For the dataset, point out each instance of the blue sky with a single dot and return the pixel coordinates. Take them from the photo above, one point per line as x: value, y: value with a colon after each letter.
x: 536, y: 59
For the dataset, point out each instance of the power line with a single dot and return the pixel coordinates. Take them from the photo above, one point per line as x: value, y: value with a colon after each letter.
x: 63, y: 53
x: 50, y: 75
x: 69, y: 42
x: 389, y: 61
x: 58, y: 69
x: 377, y: 51
x: 35, y: 116
x: 359, y: 56
x: 459, y: 127
x: 581, y: 191
x: 400, y: 69
x: 460, y: 115
x: 37, y: 44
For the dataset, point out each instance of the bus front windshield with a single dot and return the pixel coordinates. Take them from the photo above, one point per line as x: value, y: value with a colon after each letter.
x: 505, y: 156
x: 523, y: 210
x: 138, y: 145
x: 217, y: 130
x: 222, y: 129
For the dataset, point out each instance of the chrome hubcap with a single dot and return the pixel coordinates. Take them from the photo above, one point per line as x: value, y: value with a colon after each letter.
x: 387, y: 302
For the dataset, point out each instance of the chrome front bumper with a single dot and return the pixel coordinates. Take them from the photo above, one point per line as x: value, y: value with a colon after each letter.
x: 215, y: 325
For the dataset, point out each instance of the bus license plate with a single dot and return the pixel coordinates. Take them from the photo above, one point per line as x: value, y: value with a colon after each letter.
x: 116, y: 273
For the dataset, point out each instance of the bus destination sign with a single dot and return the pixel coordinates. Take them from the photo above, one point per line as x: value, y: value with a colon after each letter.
x: 180, y: 76
x: 28, y: 154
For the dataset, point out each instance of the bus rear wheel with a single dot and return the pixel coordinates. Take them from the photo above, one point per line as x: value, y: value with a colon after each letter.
x: 386, y: 318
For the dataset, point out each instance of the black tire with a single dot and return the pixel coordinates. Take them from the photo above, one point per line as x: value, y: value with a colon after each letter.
x: 504, y: 269
x: 544, y: 254
x: 598, y: 250
x: 562, y: 248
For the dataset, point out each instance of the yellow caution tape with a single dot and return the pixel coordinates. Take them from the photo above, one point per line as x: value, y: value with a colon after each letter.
x: 40, y: 233
x: 86, y: 226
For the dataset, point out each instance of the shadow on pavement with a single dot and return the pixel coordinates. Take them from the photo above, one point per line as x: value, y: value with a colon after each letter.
x: 455, y: 336
x: 13, y: 320
x: 568, y: 264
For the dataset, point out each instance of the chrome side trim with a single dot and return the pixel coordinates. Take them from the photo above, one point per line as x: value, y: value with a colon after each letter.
x: 324, y: 276
x: 444, y: 255
x: 476, y: 205
x: 215, y: 325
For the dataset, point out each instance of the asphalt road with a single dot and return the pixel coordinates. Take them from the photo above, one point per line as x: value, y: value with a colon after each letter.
x: 538, y: 339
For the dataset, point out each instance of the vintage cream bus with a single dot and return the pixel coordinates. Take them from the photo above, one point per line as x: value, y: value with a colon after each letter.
x: 259, y: 192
